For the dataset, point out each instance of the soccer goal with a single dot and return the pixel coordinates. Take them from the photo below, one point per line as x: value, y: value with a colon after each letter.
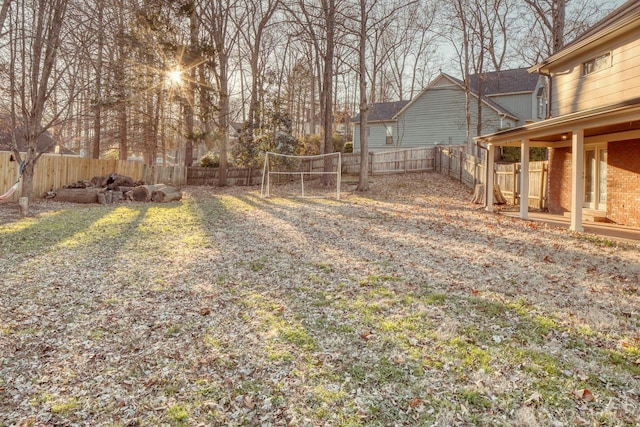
x: 301, y: 176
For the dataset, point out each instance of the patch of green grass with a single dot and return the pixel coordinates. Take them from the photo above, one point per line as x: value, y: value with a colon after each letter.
x: 173, y: 330
x: 299, y: 337
x: 489, y: 308
x: 434, y: 298
x: 627, y: 361
x: 538, y: 363
x: 317, y: 280
x: 275, y: 354
x: 375, y: 279
x: 388, y: 372
x: 475, y: 399
x: 598, y: 241
x: 64, y: 408
x: 469, y: 355
x: 256, y: 265
x: 323, y: 266
x: 178, y: 414
x: 321, y: 300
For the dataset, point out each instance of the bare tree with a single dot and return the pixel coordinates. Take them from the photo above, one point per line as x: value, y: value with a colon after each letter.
x: 259, y: 14
x: 549, y: 24
x: 221, y: 34
x: 411, y: 48
x: 97, y: 120
x: 318, y: 23
x: 6, y: 4
x: 36, y: 73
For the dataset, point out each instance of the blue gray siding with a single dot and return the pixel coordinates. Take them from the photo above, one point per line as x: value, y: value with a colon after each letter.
x: 523, y: 105
x: 437, y: 117
x: 377, y: 139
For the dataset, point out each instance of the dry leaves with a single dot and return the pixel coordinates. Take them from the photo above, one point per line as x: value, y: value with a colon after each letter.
x: 226, y: 309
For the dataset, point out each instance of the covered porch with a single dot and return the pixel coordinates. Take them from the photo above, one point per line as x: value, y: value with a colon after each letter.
x: 583, y: 138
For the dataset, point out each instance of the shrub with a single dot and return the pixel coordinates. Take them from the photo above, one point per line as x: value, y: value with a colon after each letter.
x: 348, y: 147
x: 210, y: 160
x: 512, y: 154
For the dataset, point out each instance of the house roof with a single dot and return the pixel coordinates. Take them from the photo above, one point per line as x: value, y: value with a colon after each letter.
x: 488, y: 101
x: 616, y: 118
x: 516, y: 80
x: 617, y: 22
x: 382, y: 111
x: 45, y: 142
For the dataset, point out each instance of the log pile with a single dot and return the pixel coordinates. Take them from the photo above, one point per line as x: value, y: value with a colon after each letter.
x: 115, y: 188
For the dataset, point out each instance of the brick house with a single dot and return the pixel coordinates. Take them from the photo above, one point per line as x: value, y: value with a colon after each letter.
x: 593, y: 130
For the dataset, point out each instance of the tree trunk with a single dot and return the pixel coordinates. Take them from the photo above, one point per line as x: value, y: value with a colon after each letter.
x: 327, y: 86
x: 97, y: 119
x: 167, y: 193
x: 223, y: 119
x: 363, y: 183
x: 78, y: 195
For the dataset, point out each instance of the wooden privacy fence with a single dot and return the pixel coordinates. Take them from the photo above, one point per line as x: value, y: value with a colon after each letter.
x: 470, y: 170
x: 235, y: 176
x: 396, y: 161
x: 54, y: 171
x: 507, y: 176
x: 463, y: 167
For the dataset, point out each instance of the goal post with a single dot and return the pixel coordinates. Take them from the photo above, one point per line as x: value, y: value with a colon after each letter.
x: 286, y: 175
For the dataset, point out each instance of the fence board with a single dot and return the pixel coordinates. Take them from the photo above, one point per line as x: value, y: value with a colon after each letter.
x: 54, y: 171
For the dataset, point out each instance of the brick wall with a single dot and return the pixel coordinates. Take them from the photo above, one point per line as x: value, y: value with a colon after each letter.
x: 559, y: 196
x: 623, y: 182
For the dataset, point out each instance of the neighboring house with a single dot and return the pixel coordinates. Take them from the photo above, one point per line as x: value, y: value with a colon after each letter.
x: 381, y: 126
x: 594, y: 130
x: 518, y: 91
x: 436, y: 116
x: 46, y: 143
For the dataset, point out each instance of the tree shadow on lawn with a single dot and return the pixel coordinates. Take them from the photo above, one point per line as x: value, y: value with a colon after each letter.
x: 33, y: 235
x: 512, y: 264
x: 295, y: 322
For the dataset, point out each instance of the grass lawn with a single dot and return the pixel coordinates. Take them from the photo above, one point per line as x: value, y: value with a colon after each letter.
x: 406, y: 305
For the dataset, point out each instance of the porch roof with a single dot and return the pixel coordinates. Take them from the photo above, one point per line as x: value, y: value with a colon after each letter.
x: 621, y: 119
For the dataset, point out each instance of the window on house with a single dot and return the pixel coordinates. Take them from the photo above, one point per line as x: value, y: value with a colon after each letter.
x: 389, y: 134
x: 542, y: 103
x: 596, y: 64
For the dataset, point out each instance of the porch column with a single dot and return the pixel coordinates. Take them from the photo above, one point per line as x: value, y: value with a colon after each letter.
x: 524, y: 178
x: 577, y: 179
x: 491, y: 154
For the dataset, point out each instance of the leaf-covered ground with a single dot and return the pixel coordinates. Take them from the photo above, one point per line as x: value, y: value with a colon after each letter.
x: 406, y: 305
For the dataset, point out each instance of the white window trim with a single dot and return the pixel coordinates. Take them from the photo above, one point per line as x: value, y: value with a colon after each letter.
x: 609, y: 58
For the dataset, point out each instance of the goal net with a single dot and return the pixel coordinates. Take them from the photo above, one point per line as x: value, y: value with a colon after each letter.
x: 301, y: 176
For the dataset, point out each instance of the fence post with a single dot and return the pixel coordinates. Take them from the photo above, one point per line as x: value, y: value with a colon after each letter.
x: 516, y: 190
x: 371, y: 162
x: 542, y: 185
x: 405, y: 161
x: 461, y: 164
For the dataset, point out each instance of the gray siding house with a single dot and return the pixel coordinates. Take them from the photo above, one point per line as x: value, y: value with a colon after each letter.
x: 517, y: 90
x: 381, y: 126
x: 436, y: 116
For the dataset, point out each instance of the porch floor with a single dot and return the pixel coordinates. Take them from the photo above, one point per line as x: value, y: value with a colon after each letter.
x: 608, y: 230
